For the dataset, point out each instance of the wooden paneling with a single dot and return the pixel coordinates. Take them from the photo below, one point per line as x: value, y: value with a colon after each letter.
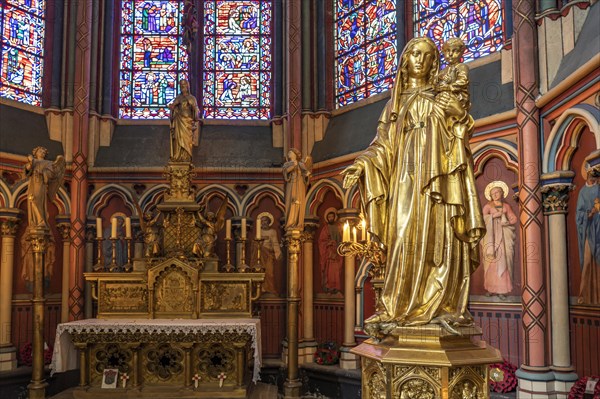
x: 585, y: 340
x: 272, y: 325
x: 22, y: 322
x: 329, y: 321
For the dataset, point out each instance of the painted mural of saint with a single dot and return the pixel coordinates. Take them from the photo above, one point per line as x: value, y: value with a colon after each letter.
x: 498, y: 245
x: 330, y: 261
x: 588, y: 232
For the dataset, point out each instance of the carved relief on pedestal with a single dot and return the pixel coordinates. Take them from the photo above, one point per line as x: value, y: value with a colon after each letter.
x: 465, y: 389
x: 416, y: 388
x: 120, y: 296
x: 374, y: 375
x: 163, y: 362
x: 224, y: 296
x: 173, y: 291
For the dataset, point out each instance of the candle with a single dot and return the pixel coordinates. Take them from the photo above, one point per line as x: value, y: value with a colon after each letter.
x: 363, y: 233
x: 243, y: 228
x: 346, y: 234
x: 228, y: 229
x: 127, y: 227
x: 113, y: 225
x: 99, y: 227
x: 258, y: 236
x: 368, y: 237
x: 354, y: 234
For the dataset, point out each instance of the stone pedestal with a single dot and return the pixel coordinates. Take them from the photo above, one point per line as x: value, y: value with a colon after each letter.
x: 426, y: 362
x: 8, y: 358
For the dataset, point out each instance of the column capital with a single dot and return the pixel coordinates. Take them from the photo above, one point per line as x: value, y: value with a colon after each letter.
x: 350, y: 215
x: 65, y: 230
x: 555, y: 191
x: 311, y: 225
x: 9, y: 221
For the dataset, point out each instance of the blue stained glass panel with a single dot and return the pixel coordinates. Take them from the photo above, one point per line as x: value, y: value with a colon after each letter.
x: 22, y: 50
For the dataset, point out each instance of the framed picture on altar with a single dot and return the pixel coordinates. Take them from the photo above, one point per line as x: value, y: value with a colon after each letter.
x: 109, y: 378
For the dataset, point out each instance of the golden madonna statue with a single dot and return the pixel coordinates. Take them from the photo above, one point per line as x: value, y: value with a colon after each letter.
x: 418, y: 190
x: 183, y: 123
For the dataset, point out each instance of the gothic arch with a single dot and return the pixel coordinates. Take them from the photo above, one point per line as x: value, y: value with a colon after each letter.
x: 100, y: 199
x: 151, y: 197
x: 254, y: 196
x: 316, y: 193
x: 4, y: 195
x: 495, y: 148
x: 563, y: 139
x: 230, y: 194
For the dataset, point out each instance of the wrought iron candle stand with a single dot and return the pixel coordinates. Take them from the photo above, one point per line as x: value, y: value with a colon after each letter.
x: 228, y: 267
x: 99, y: 266
x: 375, y: 253
x: 258, y: 268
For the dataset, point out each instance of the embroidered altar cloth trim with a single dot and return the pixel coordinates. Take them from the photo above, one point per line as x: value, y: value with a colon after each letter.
x: 65, y: 356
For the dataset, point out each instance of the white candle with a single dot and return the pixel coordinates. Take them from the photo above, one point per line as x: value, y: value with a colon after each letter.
x: 113, y: 230
x: 243, y: 228
x: 127, y: 227
x: 258, y: 228
x: 99, y: 227
x: 228, y: 229
x: 363, y: 233
x: 354, y: 234
x: 346, y: 234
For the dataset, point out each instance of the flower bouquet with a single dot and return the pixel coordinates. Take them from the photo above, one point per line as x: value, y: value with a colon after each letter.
x: 327, y: 354
x: 502, y: 377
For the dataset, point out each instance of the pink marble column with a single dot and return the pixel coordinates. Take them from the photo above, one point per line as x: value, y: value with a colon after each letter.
x: 79, y: 182
x: 535, y: 360
x: 294, y: 74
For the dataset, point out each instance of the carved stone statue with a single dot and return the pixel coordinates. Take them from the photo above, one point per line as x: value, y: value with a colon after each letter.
x: 45, y: 178
x: 418, y: 188
x: 184, y: 123
x: 296, y: 174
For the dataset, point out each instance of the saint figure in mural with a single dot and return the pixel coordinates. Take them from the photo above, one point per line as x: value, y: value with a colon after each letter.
x: 588, y: 235
x: 184, y: 123
x: 418, y: 188
x: 498, y: 245
x: 330, y: 261
x: 45, y: 178
x: 296, y: 174
x: 270, y: 251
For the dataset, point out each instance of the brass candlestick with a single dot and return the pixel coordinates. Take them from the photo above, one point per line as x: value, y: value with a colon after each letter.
x: 243, y: 267
x: 128, y: 267
x: 258, y: 267
x: 228, y: 267
x: 99, y: 266
x: 114, y: 267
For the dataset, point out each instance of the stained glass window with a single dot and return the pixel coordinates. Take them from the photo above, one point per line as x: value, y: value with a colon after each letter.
x: 237, y: 65
x: 22, y: 50
x: 479, y: 23
x: 365, y: 48
x: 153, y: 59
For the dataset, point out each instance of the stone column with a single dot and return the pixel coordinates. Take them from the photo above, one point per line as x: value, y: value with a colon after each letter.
x: 79, y: 179
x: 555, y: 192
x: 309, y: 345
x: 534, y: 374
x: 292, y: 384
x: 349, y: 360
x: 64, y: 227
x: 9, y: 222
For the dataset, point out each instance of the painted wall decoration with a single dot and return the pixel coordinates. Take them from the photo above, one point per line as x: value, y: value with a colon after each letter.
x: 331, y: 263
x: 22, y: 50
x: 498, y: 277
x: 153, y: 59
x: 365, y: 48
x: 498, y: 245
x: 479, y: 23
x: 271, y: 256
x: 587, y: 215
x: 237, y: 65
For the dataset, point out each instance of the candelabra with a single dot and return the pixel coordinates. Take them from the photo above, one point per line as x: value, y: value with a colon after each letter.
x: 258, y: 268
x: 99, y: 266
x: 243, y: 267
x: 375, y: 253
x: 128, y: 267
x: 228, y: 267
x: 114, y: 266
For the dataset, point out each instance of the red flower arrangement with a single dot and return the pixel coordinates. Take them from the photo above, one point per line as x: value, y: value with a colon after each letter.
x: 502, y: 377
x: 327, y: 354
x: 26, y: 354
x: 578, y: 389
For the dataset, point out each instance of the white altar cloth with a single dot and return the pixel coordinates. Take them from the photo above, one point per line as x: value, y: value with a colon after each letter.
x: 65, y: 356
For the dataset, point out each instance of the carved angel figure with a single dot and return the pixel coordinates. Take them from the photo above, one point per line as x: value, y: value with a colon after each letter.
x: 211, y: 223
x: 45, y: 178
x: 296, y: 174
